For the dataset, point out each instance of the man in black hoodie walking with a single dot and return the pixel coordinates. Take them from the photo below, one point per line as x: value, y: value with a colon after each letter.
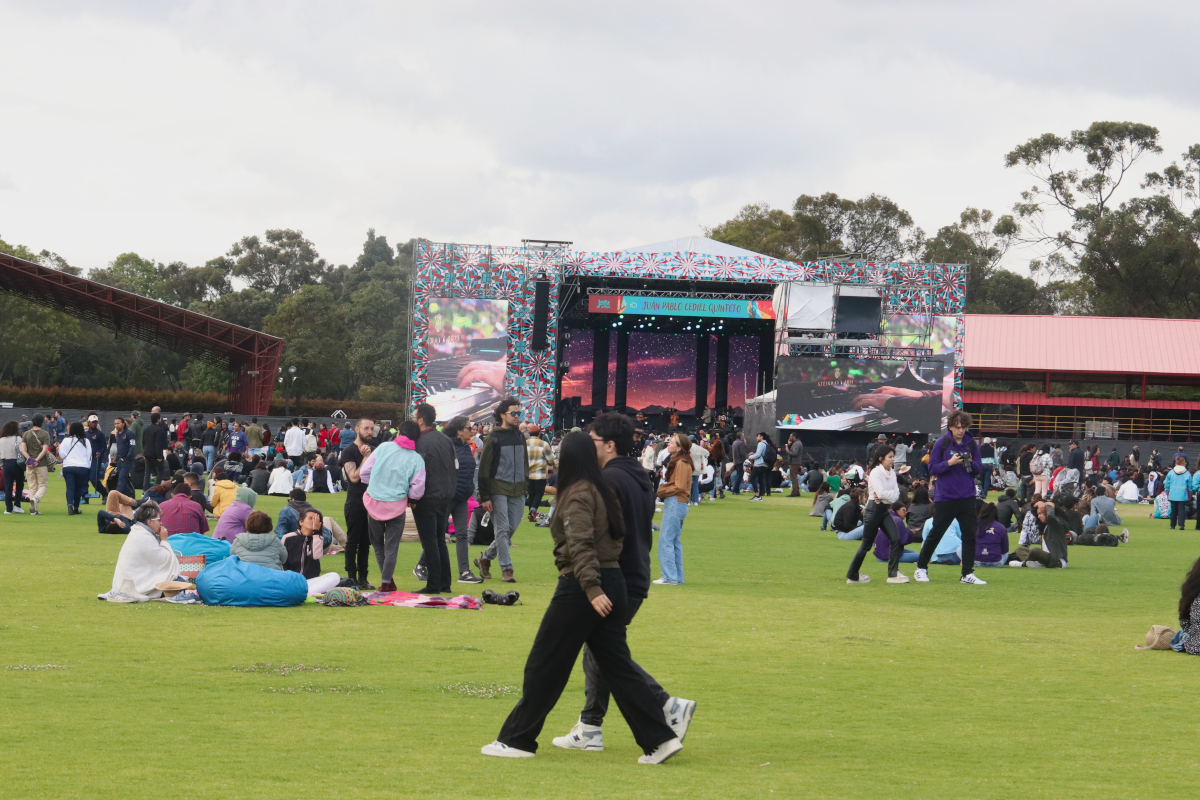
x: 613, y: 434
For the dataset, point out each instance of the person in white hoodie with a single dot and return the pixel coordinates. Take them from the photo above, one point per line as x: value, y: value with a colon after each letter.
x: 281, y: 480
x: 882, y: 491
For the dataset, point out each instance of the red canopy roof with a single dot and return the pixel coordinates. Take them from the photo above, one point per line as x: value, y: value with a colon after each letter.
x: 1130, y: 345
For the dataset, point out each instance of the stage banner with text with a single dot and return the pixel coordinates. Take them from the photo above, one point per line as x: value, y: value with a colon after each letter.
x: 680, y: 306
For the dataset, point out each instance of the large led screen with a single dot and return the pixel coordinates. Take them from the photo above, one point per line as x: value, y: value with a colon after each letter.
x: 905, y: 330
x: 468, y: 355
x: 862, y: 394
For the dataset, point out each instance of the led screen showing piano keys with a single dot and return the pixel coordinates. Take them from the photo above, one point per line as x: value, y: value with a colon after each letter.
x: 468, y: 354
x: 845, y: 394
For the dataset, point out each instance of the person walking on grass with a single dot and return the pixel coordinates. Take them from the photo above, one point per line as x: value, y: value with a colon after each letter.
x: 503, y: 485
x: 432, y: 512
x: 590, y: 606
x: 14, y: 470
x: 35, y: 449
x: 612, y: 434
x: 882, y: 491
x: 675, y: 490
x: 954, y: 461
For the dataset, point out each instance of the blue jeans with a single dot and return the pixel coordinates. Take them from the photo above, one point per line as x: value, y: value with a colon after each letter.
x: 77, y: 483
x: 852, y: 536
x: 695, y: 488
x: 826, y: 518
x: 735, y: 479
x: 95, y: 475
x: 507, y: 513
x: 124, y: 484
x: 907, y: 557
x: 670, y: 550
x: 210, y: 452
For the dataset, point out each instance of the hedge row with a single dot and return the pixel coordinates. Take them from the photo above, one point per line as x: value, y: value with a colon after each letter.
x: 52, y: 397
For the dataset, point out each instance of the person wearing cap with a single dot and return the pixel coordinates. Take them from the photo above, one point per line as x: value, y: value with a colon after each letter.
x: 540, y: 460
x: 99, y: 443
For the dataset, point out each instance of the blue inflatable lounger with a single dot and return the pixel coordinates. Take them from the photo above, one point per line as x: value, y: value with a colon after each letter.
x: 233, y: 582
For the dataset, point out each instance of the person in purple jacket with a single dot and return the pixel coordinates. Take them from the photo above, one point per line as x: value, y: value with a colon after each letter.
x: 954, y: 462
x: 991, y: 539
x: 883, y: 544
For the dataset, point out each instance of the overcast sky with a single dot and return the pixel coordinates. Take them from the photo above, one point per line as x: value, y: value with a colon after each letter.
x: 174, y: 128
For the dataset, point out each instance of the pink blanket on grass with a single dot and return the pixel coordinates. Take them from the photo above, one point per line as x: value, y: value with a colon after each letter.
x: 411, y: 600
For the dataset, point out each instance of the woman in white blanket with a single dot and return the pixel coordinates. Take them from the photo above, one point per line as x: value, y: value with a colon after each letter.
x: 145, y: 560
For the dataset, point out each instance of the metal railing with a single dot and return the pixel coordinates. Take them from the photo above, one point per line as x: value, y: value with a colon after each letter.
x: 1032, y: 424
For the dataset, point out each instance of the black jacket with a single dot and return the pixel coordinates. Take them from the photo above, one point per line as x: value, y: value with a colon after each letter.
x: 628, y: 479
x: 466, y: 470
x: 1075, y: 460
x: 848, y: 517
x: 154, y: 441
x: 441, y: 482
x: 1006, y: 509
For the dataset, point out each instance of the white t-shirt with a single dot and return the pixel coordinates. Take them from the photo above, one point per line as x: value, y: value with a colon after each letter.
x: 854, y: 472
x: 293, y: 441
x: 1128, y: 491
x: 75, y: 453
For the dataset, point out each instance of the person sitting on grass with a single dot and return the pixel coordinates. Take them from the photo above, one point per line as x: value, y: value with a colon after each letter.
x: 1008, y: 509
x: 1103, y: 509
x: 1189, y: 610
x: 195, y: 483
x: 258, y: 544
x: 281, y: 484
x: 949, y: 549
x: 304, y: 551
x: 820, y: 505
x: 991, y: 538
x: 848, y: 521
x: 181, y: 514
x: 224, y: 491
x: 233, y: 521
x: 145, y: 559
x: 907, y: 536
x: 1100, y: 536
x: 1043, y: 544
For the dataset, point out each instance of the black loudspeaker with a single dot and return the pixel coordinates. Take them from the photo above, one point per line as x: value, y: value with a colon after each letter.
x: 541, y: 313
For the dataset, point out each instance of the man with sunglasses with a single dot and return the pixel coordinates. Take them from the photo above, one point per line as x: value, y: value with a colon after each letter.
x: 503, y: 484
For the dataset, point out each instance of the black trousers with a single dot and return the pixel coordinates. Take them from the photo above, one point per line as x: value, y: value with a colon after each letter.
x: 877, y: 516
x: 595, y: 687
x: 153, y: 469
x: 945, y: 512
x: 568, y: 624
x: 433, y: 522
x: 537, y: 489
x: 358, y: 540
x: 14, y: 482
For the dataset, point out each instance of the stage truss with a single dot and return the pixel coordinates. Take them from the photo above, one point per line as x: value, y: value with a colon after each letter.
x: 487, y: 272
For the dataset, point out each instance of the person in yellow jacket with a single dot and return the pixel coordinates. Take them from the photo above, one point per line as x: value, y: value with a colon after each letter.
x: 224, y: 492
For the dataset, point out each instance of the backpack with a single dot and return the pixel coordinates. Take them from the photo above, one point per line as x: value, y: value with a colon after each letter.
x: 770, y: 455
x: 310, y: 443
x: 1036, y: 466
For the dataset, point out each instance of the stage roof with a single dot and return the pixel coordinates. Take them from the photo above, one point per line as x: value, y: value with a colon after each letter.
x: 1128, y: 345
x: 694, y: 244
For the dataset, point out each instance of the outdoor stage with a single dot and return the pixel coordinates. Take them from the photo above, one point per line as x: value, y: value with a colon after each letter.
x: 688, y: 324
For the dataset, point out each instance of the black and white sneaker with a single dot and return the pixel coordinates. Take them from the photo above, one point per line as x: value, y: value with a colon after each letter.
x: 421, y: 573
x: 469, y: 577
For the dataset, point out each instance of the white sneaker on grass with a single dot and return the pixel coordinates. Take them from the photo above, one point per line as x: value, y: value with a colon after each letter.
x: 662, y: 752
x: 678, y: 714
x: 973, y: 579
x: 19, y: 510
x: 861, y: 579
x: 582, y: 737
x: 1124, y: 537
x: 921, y: 575
x: 501, y: 750
x: 900, y: 577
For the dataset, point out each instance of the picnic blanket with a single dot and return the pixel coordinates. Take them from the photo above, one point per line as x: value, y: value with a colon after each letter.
x: 411, y: 600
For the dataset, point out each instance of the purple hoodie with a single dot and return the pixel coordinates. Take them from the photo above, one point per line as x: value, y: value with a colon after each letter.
x: 883, y: 545
x: 954, y: 483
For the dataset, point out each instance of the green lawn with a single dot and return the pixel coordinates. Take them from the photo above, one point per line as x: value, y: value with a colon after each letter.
x: 1028, y: 687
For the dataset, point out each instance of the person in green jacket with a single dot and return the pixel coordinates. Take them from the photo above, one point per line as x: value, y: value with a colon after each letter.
x: 136, y: 429
x: 259, y: 544
x: 503, y: 485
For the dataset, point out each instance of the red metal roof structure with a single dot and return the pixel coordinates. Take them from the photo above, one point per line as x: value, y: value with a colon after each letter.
x: 1058, y: 345
x: 252, y: 356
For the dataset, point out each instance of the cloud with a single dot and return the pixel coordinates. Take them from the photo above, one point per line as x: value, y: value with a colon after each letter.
x: 175, y: 128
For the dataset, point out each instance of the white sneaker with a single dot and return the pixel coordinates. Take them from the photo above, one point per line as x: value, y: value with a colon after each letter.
x: 34, y: 510
x: 1124, y: 537
x: 501, y: 750
x: 18, y: 510
x: 973, y: 579
x: 1016, y: 563
x: 664, y: 582
x: 900, y: 578
x: 662, y: 752
x: 582, y: 737
x: 921, y: 576
x: 678, y: 713
x: 861, y: 579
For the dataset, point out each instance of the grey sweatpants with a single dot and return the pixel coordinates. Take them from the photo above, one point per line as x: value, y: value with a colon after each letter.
x: 506, y: 516
x: 385, y: 541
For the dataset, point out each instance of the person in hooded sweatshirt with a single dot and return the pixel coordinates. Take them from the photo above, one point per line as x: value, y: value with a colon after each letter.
x: 395, y: 474
x: 954, y: 461
x: 222, y: 493
x: 1177, y: 484
x: 258, y: 544
x: 612, y: 433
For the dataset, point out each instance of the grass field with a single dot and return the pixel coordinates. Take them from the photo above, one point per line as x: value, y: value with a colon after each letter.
x: 807, y: 687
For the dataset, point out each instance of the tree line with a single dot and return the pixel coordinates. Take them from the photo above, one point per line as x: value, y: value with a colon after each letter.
x: 345, y: 327
x: 1138, y: 256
